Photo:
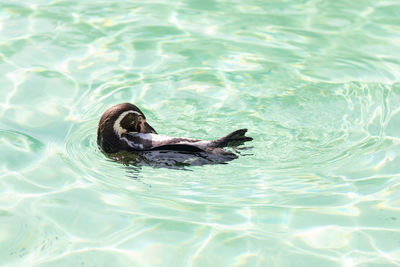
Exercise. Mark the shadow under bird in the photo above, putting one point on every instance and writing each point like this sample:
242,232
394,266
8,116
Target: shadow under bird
124,134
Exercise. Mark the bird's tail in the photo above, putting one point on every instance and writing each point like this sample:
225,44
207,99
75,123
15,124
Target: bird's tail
234,139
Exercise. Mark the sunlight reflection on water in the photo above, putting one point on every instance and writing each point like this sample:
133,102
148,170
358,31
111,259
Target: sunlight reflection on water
316,83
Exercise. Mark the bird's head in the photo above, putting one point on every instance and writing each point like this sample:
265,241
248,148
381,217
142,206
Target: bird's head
117,121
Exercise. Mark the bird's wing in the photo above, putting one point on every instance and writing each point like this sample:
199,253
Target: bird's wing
234,139
149,141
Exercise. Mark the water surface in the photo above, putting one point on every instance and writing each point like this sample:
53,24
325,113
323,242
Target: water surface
315,82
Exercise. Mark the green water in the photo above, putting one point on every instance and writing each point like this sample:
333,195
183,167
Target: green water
315,82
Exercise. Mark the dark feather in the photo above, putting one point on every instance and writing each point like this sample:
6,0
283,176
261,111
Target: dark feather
234,139
179,147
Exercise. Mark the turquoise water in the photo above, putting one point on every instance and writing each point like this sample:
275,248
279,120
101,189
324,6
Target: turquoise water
315,82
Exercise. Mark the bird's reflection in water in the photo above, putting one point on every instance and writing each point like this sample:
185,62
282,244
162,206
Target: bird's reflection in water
178,160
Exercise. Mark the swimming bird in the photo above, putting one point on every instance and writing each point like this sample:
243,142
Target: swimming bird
123,127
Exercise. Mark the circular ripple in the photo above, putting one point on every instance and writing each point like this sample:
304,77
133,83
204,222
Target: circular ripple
334,123
86,158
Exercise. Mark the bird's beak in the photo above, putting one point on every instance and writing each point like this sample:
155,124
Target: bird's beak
146,128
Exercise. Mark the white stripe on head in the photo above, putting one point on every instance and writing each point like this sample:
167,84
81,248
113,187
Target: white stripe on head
117,124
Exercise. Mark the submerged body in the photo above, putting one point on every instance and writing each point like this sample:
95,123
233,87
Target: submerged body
123,128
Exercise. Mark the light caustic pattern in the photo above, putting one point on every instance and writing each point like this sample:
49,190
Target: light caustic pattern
315,82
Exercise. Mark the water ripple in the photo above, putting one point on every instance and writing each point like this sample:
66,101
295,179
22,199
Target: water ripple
315,82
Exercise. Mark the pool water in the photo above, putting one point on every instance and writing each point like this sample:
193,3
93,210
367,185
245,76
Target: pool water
315,82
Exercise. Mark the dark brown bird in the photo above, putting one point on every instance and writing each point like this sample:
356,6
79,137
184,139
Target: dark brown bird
123,127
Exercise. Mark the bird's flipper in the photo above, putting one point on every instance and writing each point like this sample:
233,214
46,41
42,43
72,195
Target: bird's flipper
143,142
235,138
